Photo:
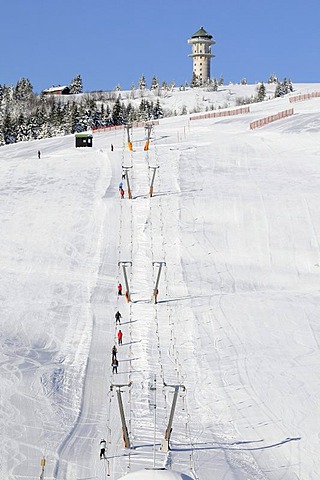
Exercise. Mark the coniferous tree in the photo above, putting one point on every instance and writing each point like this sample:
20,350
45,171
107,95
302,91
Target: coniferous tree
149,110
142,83
273,78
215,85
96,119
23,90
142,109
132,93
22,128
184,110
76,85
106,116
278,91
117,113
287,85
157,111
154,83
76,126
261,92
67,118
283,88
130,114
2,142
9,128
195,82
37,121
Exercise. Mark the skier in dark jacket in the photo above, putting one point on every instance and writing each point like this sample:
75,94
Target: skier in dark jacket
103,445
114,352
114,365
118,317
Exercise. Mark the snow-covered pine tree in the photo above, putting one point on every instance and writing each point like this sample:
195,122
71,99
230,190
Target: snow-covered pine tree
273,78
132,92
23,90
117,113
76,85
287,85
142,110
142,83
184,110
2,142
130,113
195,82
261,92
8,128
22,128
213,85
154,83
57,120
157,110
283,88
37,123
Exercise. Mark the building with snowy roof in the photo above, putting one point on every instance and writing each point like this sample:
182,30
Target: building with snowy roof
58,90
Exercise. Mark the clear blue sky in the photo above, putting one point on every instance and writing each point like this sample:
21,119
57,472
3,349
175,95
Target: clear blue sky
110,42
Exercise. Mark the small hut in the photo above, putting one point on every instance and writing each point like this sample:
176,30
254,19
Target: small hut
58,90
83,139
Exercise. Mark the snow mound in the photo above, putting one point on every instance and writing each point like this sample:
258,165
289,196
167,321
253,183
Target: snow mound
156,474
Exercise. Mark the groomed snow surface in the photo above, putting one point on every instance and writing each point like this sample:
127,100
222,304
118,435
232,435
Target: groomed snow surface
236,217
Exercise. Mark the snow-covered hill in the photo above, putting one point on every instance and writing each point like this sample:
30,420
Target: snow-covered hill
193,100
235,217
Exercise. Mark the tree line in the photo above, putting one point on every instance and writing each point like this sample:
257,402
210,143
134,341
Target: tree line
27,116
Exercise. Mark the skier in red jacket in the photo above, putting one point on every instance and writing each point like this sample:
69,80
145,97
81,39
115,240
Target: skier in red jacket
120,335
119,289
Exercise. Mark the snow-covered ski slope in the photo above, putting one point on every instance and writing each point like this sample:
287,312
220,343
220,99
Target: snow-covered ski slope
236,217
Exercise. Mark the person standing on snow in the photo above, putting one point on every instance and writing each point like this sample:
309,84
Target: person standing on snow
39,154
120,186
118,317
122,193
120,335
119,289
114,365
103,445
114,352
